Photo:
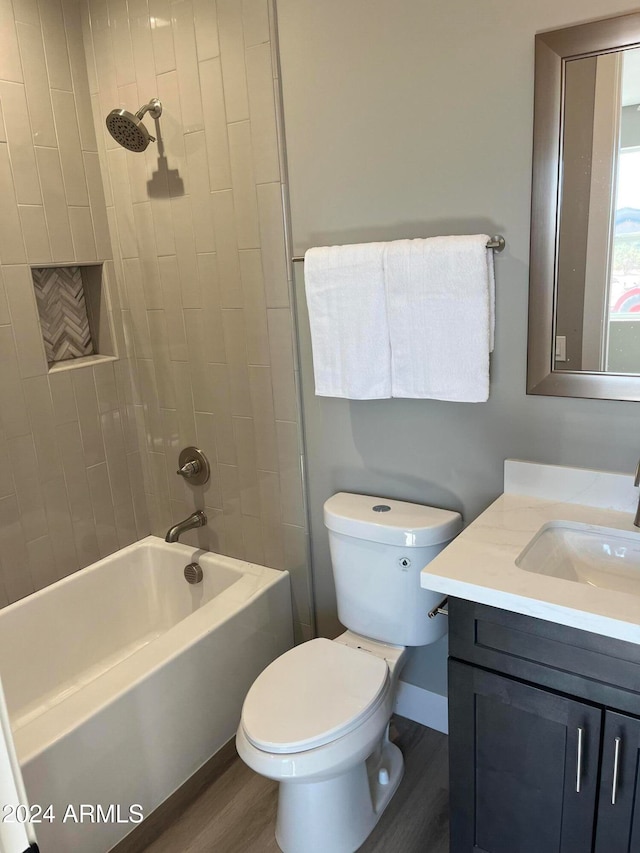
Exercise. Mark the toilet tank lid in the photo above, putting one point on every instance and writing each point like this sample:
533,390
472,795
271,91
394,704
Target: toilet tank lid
391,522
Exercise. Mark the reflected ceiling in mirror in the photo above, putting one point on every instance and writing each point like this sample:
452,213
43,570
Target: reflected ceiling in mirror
584,311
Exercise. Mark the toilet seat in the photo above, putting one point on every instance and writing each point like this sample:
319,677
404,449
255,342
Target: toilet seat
312,695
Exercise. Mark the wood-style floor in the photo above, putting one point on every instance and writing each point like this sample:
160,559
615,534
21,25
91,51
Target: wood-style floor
236,813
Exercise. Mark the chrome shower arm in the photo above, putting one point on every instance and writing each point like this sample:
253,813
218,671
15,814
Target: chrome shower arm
154,108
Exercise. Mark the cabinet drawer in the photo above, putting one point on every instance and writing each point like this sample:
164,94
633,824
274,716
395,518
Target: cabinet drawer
587,665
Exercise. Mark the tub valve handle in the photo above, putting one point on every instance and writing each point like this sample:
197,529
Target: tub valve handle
193,465
189,469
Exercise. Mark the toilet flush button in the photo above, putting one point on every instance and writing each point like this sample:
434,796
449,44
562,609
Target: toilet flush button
383,776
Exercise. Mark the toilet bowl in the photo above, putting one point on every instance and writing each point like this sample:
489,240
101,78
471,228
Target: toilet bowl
317,719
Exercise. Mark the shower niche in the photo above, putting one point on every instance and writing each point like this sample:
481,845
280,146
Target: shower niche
75,317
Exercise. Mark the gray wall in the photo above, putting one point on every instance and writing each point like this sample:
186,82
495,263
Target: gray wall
408,119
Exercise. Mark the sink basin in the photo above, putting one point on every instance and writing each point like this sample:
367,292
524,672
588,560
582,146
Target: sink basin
598,556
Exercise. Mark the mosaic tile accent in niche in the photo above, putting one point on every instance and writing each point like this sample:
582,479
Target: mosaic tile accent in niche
63,313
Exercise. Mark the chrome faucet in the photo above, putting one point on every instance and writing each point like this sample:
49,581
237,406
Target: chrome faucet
636,482
197,519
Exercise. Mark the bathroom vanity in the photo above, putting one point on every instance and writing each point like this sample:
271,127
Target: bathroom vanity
544,666
544,735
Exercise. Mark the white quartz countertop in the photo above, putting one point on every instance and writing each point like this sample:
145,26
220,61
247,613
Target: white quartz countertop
479,565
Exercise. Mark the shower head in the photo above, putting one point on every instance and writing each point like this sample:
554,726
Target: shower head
127,128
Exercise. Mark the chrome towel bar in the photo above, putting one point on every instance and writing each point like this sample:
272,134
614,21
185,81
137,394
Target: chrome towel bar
496,243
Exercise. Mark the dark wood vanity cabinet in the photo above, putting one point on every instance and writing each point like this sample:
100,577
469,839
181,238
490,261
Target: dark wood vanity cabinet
544,753
618,823
516,756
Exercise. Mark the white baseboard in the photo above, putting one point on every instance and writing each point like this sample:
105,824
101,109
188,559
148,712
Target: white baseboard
422,706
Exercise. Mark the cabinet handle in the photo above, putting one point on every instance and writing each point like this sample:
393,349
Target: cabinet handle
616,769
579,760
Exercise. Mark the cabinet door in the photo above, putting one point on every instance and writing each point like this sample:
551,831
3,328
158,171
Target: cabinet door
524,766
618,827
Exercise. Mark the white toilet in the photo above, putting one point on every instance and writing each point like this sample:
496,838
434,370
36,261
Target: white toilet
317,718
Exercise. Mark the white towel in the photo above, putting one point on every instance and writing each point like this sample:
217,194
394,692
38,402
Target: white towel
348,319
440,298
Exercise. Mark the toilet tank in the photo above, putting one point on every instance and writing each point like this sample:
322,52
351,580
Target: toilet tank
378,548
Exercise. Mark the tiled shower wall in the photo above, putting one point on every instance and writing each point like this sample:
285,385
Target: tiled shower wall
70,488
197,228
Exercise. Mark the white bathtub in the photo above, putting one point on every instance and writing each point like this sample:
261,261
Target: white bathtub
123,679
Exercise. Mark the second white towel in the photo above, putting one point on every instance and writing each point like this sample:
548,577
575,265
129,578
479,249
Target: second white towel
440,296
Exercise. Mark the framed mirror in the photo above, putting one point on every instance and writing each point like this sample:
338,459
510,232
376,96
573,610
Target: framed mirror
584,292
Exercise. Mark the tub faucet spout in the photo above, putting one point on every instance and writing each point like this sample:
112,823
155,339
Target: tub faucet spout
197,519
